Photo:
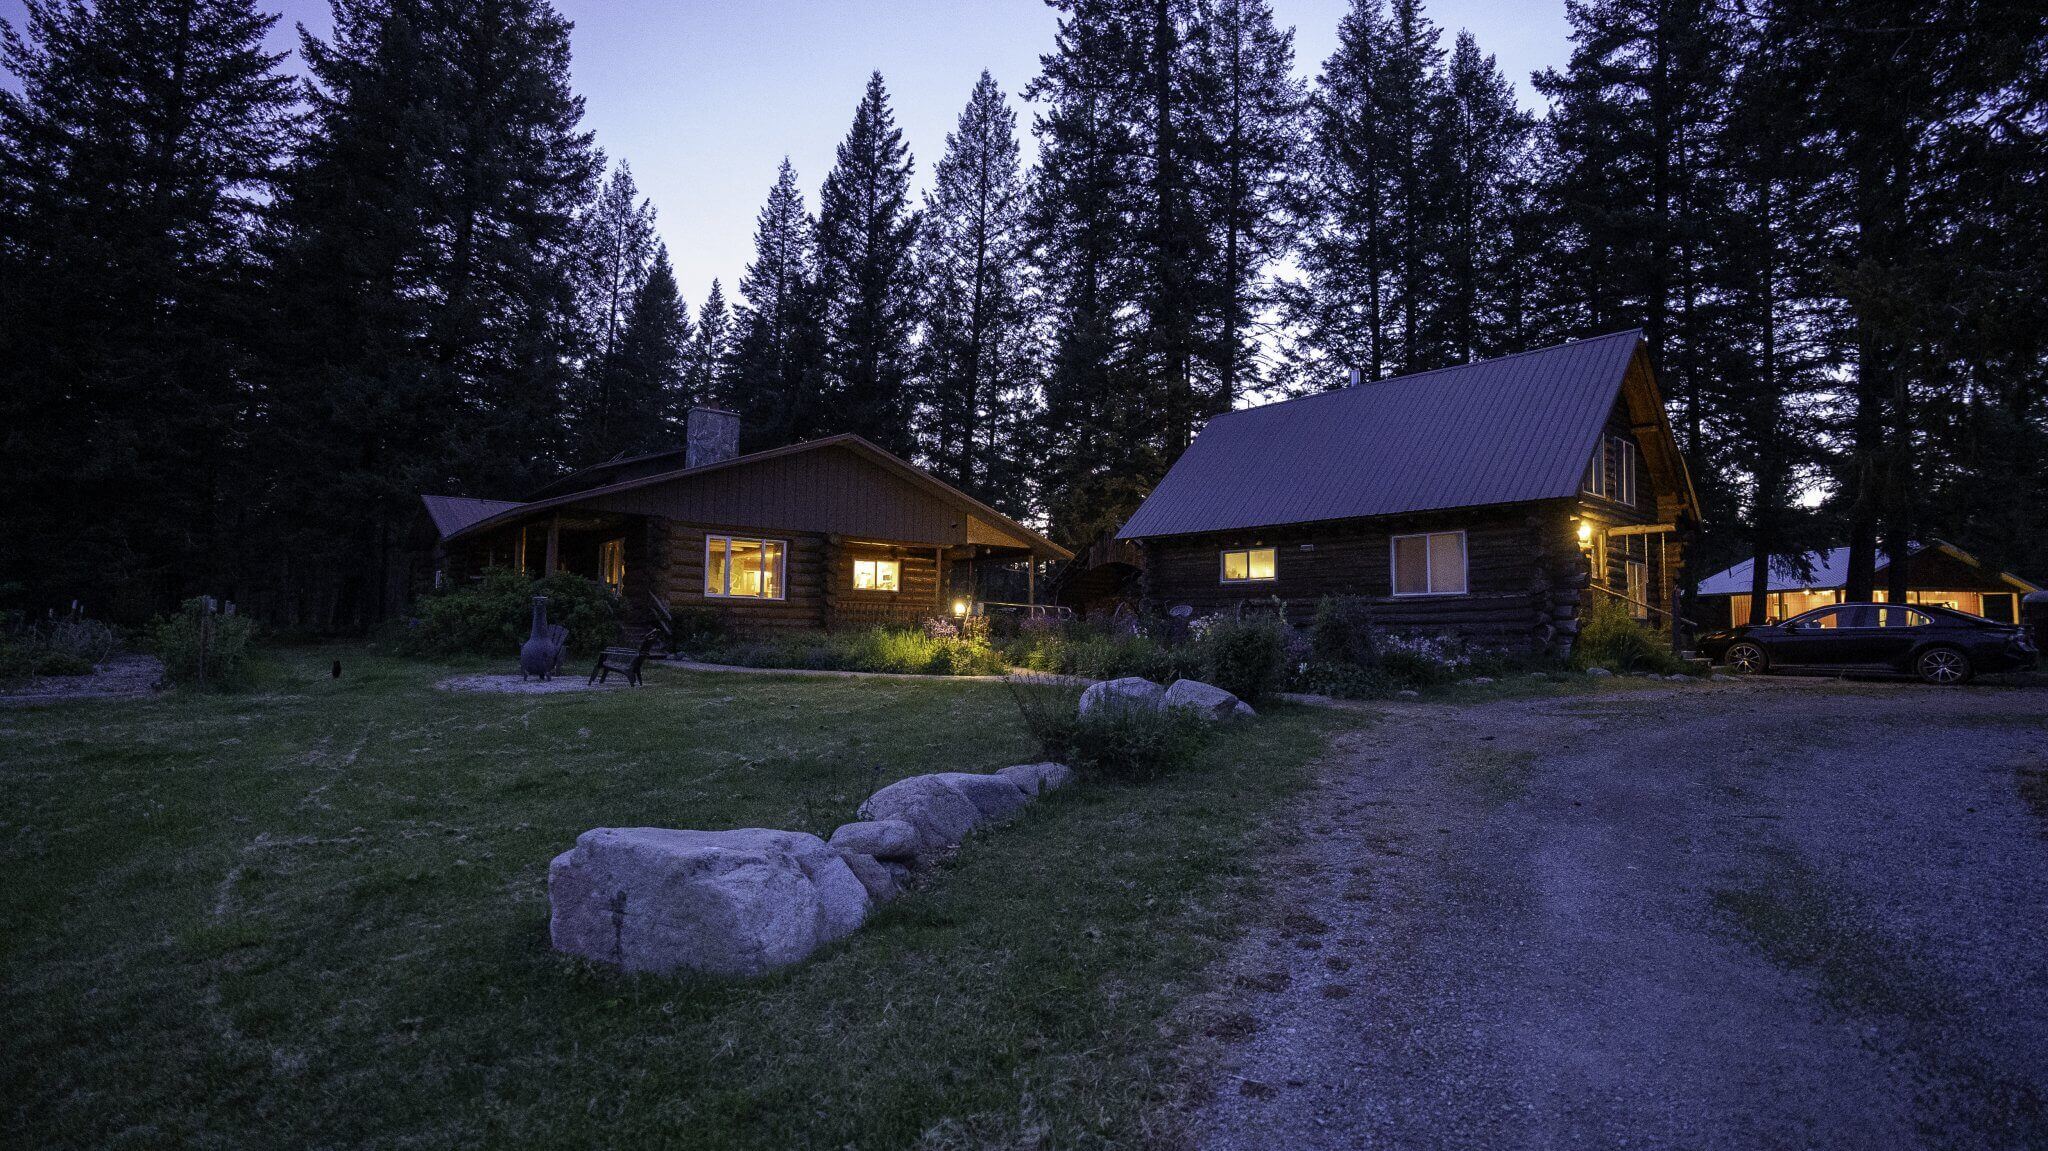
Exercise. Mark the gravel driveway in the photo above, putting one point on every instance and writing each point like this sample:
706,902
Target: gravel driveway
1758,915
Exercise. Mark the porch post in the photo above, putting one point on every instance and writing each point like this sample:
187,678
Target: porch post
554,543
939,581
1031,580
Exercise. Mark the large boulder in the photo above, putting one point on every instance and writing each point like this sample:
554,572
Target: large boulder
1206,700
881,838
1038,778
996,797
941,815
718,902
1130,692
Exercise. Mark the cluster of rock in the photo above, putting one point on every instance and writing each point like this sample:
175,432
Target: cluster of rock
1133,693
748,901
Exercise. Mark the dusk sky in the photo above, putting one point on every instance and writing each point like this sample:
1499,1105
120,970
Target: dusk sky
704,99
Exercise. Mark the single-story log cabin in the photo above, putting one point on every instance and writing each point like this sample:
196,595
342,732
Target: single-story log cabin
1937,572
821,534
1482,500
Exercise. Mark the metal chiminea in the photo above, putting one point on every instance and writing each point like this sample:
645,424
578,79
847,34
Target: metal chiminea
541,654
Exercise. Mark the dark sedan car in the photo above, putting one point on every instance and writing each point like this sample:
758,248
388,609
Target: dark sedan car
1937,644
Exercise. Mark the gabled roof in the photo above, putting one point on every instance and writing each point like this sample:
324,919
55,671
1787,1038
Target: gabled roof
1829,570
848,441
1506,430
452,514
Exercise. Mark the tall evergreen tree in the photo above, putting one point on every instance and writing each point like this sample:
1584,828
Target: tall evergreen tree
133,159
866,282
646,384
776,379
1478,152
616,248
1248,109
1097,434
425,306
976,359
710,349
1362,209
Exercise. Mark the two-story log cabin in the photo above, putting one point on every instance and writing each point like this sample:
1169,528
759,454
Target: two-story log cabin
1489,499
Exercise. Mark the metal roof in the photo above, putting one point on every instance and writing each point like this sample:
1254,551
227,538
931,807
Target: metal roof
847,440
451,514
1829,570
1506,430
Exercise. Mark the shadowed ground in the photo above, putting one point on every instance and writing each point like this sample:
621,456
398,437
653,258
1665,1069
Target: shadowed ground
1780,914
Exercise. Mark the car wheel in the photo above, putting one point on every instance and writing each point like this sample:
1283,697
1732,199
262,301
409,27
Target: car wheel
1943,666
1747,657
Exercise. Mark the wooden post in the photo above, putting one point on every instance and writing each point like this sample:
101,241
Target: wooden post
554,543
939,588
1031,581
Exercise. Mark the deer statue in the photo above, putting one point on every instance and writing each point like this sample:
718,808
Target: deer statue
541,654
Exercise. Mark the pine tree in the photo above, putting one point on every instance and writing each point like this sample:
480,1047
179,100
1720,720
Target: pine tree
1478,151
646,384
424,295
710,349
616,247
865,279
976,359
1248,119
134,159
1097,433
776,379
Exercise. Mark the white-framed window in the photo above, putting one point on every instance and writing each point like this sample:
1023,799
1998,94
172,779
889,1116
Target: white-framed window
878,575
1429,563
1246,565
611,562
1611,473
740,568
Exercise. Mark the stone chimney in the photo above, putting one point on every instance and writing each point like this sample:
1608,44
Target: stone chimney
710,436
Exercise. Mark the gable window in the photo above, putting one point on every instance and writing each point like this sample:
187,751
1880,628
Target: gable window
1245,565
1611,473
1432,563
611,562
877,575
739,568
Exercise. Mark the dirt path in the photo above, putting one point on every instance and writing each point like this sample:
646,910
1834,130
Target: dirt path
1740,916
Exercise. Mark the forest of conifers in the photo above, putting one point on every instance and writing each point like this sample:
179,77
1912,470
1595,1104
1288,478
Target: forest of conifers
251,306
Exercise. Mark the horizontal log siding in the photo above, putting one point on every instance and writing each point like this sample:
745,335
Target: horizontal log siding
916,602
1510,556
804,570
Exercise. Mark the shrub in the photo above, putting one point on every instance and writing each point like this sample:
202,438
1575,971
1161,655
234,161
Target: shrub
1096,654
698,629
1124,745
1243,656
69,646
225,659
872,649
1343,633
493,615
1611,638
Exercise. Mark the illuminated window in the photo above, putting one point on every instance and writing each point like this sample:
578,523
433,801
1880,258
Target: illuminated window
877,575
743,568
1430,564
611,562
1247,564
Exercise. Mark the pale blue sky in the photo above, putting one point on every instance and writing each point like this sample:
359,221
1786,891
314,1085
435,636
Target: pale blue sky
704,98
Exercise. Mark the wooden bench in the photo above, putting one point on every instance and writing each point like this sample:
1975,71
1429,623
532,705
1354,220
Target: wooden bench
624,661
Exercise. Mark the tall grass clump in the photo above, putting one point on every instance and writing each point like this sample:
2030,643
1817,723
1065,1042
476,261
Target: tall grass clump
1610,637
201,645
1245,656
1112,744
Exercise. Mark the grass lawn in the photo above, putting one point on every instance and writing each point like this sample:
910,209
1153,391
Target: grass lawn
315,915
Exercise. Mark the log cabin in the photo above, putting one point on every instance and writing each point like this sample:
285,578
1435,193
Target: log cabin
1490,500
822,534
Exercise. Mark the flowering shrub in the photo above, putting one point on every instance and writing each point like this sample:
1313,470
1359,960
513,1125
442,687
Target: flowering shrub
938,627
